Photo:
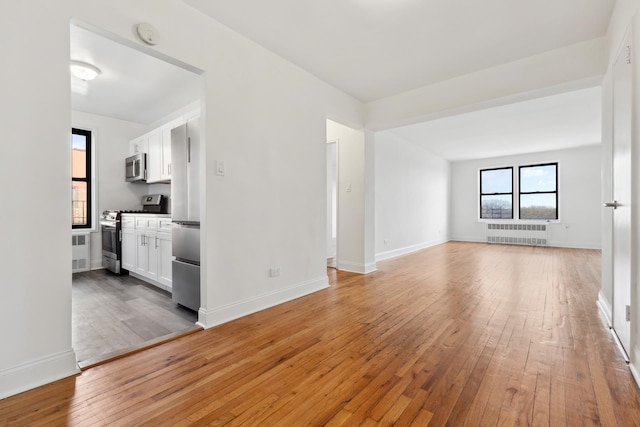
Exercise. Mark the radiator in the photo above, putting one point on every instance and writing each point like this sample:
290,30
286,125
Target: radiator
80,254
517,234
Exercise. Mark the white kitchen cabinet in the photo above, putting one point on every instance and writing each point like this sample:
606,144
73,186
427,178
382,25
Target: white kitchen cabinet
128,243
157,145
165,258
165,144
154,157
148,242
139,145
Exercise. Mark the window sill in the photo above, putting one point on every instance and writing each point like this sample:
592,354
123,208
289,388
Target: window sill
520,221
79,231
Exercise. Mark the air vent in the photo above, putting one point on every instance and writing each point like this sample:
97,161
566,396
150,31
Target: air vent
80,253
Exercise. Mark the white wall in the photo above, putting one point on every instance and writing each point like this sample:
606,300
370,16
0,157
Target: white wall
263,116
412,197
579,193
112,138
351,189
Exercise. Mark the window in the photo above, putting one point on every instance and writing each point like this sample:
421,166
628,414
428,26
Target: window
81,178
539,191
496,193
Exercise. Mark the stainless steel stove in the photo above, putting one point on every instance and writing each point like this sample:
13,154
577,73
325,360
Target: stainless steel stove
111,224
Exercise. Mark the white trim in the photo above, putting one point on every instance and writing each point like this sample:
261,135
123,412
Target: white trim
407,250
632,367
616,339
550,243
605,308
38,372
226,313
573,245
635,373
356,267
96,264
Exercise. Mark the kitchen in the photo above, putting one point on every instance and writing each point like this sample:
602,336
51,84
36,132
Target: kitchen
134,108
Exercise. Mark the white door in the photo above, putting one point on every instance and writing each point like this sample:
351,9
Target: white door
622,193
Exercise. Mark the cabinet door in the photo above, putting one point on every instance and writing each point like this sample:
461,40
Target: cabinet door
139,145
142,253
129,249
154,157
152,253
164,259
166,152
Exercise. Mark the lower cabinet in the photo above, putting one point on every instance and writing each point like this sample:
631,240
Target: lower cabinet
146,249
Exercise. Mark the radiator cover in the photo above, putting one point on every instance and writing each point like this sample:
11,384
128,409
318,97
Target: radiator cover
517,234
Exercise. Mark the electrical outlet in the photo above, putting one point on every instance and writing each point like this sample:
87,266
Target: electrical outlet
274,271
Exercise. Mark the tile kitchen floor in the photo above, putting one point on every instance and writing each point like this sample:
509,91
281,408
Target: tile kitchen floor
112,313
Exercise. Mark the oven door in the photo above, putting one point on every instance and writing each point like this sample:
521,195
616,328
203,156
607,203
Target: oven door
111,247
109,240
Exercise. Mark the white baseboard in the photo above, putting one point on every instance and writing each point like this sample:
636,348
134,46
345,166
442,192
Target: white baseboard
551,243
605,308
355,267
407,250
219,315
632,365
38,372
572,245
469,239
96,264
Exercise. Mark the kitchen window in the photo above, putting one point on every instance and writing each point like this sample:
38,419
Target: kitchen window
81,178
496,193
539,191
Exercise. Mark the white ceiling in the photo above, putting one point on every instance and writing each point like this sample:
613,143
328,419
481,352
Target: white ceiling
132,85
568,120
376,48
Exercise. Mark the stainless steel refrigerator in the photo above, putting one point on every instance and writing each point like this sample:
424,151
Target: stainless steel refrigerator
185,214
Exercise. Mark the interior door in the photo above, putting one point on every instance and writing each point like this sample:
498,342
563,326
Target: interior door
622,91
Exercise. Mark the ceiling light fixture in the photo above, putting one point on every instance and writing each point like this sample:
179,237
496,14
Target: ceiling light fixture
84,71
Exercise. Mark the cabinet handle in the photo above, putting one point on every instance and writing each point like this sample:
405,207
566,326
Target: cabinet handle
156,242
189,149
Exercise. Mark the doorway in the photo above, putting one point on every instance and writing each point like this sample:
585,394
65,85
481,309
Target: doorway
332,203
622,106
135,99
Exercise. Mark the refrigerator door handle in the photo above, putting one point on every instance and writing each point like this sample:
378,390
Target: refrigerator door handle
188,149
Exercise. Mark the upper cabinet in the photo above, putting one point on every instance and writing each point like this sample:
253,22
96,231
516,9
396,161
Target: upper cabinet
157,145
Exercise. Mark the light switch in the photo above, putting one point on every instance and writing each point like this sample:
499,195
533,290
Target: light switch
219,167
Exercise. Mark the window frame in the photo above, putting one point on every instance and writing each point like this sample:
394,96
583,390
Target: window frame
521,193
496,194
88,134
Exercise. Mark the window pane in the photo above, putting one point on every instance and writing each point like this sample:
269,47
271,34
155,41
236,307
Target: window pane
538,178
496,181
79,203
79,156
538,206
496,207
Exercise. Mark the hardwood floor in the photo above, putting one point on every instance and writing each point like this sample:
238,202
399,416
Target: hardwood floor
458,334
114,313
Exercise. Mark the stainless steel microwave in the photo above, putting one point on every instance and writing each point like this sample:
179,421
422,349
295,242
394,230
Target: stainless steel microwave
136,167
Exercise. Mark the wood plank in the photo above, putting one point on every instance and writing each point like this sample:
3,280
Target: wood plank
458,334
